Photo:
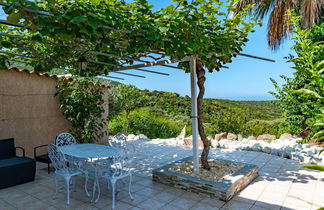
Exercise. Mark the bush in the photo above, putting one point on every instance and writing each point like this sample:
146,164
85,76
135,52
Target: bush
147,122
258,127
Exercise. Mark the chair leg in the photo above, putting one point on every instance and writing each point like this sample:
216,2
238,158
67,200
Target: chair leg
67,191
129,187
94,190
86,184
55,180
98,185
48,168
113,182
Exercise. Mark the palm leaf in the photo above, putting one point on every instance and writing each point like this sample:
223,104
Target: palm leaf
313,167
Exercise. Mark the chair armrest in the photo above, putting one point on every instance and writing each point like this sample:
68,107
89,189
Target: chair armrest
35,148
22,149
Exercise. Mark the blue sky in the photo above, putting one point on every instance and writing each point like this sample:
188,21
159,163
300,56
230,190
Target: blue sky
246,78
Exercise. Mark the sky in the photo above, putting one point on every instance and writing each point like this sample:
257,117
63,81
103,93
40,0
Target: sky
245,79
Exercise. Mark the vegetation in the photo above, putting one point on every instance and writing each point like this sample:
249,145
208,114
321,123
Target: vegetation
280,16
240,117
82,105
301,97
126,98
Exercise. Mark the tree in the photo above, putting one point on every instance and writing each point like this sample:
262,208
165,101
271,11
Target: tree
278,24
127,98
128,30
82,105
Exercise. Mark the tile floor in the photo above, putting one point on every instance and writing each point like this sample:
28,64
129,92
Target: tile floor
281,185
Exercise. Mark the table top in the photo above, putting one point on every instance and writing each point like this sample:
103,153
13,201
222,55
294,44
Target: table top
86,151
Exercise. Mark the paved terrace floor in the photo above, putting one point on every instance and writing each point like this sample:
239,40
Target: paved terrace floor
281,185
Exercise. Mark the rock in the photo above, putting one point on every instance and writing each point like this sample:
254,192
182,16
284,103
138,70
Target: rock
274,151
266,149
239,137
142,136
305,146
182,134
188,142
231,136
223,143
251,138
285,136
266,137
214,143
131,137
257,147
220,136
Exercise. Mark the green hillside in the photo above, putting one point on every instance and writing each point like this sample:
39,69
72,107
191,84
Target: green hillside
164,114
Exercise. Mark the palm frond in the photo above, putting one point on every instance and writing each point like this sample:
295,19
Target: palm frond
277,25
311,12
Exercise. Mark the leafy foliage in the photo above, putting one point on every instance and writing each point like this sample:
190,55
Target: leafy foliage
302,96
148,122
126,98
82,105
200,28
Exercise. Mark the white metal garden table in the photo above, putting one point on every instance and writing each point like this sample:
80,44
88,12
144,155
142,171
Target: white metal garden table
89,153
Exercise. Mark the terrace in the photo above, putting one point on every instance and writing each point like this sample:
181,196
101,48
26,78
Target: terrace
281,185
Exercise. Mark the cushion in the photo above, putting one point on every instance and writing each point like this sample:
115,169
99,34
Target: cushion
16,170
7,162
7,148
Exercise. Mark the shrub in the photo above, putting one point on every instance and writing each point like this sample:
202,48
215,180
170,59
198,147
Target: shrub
258,127
147,122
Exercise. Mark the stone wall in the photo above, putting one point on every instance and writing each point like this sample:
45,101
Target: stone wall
29,111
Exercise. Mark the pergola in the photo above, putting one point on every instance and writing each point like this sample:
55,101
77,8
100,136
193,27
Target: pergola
142,62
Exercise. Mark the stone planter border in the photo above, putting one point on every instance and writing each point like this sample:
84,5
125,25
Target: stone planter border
223,189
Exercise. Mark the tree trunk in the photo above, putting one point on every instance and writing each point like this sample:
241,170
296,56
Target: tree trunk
127,120
201,84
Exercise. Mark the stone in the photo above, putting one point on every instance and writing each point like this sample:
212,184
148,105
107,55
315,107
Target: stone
223,143
131,137
182,134
142,136
274,151
305,146
188,142
266,137
266,149
285,136
239,137
251,138
257,147
231,136
214,143
220,136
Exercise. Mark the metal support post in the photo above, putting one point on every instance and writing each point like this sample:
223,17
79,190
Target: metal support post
194,119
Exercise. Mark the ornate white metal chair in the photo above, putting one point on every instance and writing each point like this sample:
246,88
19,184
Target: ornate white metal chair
119,140
114,169
64,139
62,169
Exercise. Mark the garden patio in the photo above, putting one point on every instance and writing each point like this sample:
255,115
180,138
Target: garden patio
281,185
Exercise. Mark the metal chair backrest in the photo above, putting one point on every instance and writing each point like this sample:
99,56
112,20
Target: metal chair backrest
57,157
119,140
64,139
121,164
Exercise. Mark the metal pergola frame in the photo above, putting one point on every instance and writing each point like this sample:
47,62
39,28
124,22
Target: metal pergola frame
139,67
